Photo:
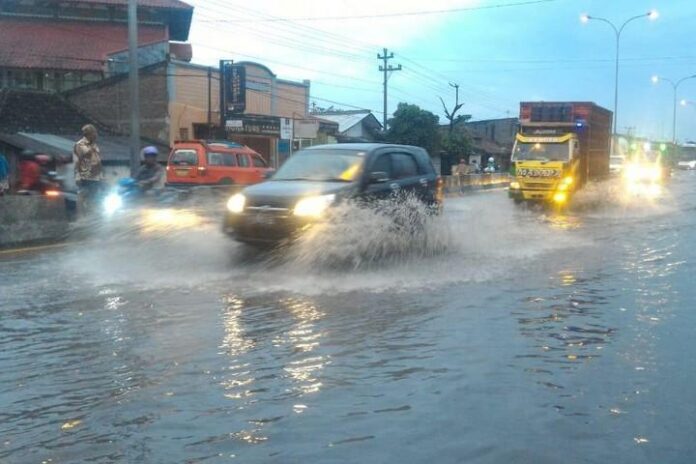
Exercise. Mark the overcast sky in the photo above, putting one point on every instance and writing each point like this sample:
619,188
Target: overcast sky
498,55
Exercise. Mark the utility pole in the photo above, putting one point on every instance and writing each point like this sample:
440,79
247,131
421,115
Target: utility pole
210,102
386,69
134,85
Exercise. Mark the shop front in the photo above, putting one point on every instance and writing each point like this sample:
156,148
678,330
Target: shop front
260,133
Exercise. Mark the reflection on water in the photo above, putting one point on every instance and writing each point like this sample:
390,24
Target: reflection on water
567,327
303,338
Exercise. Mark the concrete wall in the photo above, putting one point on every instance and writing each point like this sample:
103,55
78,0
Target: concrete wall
27,219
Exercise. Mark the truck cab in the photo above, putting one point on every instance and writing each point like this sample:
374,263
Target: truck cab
558,148
545,167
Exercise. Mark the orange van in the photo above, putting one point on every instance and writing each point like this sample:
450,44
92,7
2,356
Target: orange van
198,162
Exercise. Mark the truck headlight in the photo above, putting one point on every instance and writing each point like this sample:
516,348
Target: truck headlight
236,203
313,206
514,185
560,197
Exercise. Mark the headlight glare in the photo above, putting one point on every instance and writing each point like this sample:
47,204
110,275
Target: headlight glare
236,203
514,185
313,206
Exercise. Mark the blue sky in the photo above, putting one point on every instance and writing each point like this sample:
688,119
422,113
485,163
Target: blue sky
498,56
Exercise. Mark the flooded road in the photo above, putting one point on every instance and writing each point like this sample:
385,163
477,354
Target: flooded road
511,336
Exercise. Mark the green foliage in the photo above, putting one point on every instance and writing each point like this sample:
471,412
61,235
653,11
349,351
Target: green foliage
457,145
412,125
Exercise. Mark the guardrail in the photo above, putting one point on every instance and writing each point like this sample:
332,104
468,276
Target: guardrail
457,184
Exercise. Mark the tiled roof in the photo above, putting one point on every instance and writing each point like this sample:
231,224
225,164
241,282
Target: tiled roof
75,46
34,111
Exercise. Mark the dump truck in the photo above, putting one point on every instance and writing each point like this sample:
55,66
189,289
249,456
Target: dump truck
559,147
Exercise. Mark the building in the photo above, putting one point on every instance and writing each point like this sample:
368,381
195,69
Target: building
58,46
44,122
492,138
354,125
183,102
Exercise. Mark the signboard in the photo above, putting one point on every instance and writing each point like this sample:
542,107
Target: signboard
306,129
253,125
286,128
233,88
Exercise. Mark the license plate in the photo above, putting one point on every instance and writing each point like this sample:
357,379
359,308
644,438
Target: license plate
264,220
182,172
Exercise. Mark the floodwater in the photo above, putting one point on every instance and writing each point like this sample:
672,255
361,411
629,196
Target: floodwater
506,335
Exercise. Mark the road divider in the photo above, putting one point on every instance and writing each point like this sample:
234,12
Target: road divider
460,184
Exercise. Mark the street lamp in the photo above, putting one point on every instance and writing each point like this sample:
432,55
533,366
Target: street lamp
585,18
675,87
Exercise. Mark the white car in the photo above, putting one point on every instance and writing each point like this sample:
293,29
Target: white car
687,165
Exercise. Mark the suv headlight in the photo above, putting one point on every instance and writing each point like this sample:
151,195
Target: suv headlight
236,203
313,206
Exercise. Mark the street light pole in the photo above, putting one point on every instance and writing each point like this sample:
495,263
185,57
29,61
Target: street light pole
675,88
618,30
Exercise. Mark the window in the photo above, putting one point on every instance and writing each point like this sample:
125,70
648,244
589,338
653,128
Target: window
185,158
404,166
243,161
382,164
258,161
229,160
183,133
215,159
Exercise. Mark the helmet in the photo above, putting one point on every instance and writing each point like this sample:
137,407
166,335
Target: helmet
491,160
150,151
42,159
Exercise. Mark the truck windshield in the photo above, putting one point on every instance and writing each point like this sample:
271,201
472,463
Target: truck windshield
541,151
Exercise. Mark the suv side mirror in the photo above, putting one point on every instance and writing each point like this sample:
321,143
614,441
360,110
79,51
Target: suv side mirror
378,177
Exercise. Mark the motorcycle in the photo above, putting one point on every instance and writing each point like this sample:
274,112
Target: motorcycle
128,193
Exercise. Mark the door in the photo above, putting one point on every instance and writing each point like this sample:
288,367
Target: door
183,165
406,174
259,168
245,172
222,168
380,183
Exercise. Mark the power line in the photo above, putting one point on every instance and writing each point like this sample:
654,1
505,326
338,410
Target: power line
394,15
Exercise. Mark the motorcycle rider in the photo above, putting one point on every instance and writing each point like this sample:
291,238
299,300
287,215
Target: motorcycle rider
151,173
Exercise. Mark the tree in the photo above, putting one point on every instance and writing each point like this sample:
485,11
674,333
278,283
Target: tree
412,125
457,145
452,115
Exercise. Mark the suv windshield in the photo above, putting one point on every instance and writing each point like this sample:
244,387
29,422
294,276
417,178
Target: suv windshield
541,151
322,165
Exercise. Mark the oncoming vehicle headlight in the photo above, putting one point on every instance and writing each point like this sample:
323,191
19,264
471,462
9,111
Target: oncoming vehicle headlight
112,203
236,203
514,185
560,197
313,206
567,181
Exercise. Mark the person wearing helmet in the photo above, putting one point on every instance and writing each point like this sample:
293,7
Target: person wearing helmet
151,173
